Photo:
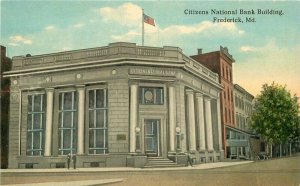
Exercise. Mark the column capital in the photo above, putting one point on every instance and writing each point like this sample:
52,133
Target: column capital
198,94
207,98
80,87
171,84
49,89
189,91
133,83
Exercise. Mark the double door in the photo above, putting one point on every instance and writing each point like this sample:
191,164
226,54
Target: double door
152,137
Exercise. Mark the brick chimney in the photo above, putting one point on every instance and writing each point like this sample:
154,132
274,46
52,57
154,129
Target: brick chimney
3,51
199,51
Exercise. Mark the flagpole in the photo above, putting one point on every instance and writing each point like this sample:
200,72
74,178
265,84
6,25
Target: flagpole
142,27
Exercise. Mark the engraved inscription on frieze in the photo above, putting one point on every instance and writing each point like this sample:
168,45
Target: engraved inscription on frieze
152,71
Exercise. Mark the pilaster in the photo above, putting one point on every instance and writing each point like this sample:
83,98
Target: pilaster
80,111
172,118
49,121
133,115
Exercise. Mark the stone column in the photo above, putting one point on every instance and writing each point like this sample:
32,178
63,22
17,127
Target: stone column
181,116
133,116
201,127
209,137
80,112
172,117
191,119
219,124
49,117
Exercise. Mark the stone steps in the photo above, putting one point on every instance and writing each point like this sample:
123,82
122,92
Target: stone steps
159,162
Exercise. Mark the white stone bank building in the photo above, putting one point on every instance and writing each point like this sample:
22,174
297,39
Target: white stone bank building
113,106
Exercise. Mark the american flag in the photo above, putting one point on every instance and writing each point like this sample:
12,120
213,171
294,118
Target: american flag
149,20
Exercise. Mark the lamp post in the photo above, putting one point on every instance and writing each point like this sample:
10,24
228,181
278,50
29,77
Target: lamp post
137,142
178,130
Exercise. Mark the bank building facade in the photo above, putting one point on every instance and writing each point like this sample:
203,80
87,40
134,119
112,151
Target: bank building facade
113,106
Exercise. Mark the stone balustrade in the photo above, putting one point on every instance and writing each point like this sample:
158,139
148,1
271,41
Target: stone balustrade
196,66
113,50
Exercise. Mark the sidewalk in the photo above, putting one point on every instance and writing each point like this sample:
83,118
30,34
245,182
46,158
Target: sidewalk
73,183
109,169
124,169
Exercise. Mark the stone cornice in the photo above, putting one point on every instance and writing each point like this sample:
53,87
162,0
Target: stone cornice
111,55
112,51
93,64
224,50
241,90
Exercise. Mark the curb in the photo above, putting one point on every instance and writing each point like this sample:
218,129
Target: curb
124,169
73,183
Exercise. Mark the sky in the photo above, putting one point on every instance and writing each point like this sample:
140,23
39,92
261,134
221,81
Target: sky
265,51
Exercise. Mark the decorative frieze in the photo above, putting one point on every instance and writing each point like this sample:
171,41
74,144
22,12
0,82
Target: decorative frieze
15,82
15,97
114,72
48,79
78,76
213,92
152,71
33,61
205,88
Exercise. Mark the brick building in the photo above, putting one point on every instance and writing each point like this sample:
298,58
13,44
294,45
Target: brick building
117,105
239,137
5,89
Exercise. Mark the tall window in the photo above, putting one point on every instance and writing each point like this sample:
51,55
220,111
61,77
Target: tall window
229,74
228,94
98,133
237,120
225,114
151,95
35,125
67,122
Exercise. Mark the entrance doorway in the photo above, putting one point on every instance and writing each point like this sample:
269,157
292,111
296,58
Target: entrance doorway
152,133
